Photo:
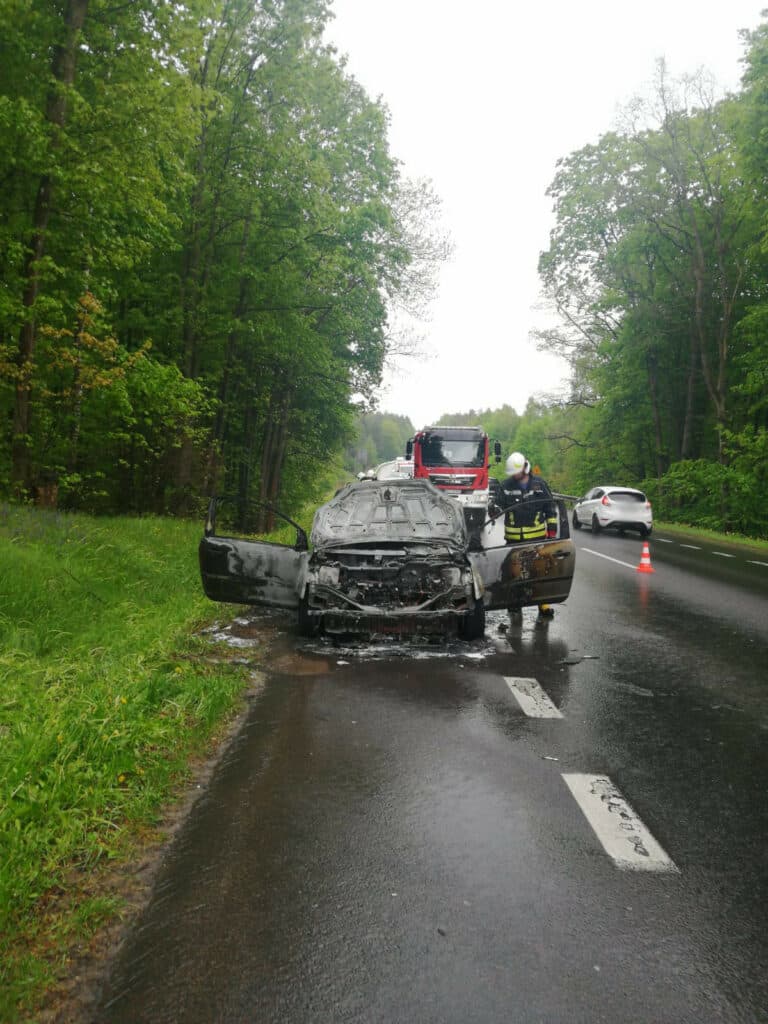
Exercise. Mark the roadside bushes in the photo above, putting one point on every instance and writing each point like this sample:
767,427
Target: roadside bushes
713,496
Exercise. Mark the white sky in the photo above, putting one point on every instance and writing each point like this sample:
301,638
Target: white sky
484,98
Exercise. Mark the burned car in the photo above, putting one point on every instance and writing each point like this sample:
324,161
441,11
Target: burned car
388,557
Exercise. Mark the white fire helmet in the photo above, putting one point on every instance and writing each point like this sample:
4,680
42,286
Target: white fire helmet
517,463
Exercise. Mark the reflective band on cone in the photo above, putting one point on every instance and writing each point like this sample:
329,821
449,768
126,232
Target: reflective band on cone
645,560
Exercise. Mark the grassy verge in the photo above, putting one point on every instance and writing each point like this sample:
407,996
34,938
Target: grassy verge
731,539
102,703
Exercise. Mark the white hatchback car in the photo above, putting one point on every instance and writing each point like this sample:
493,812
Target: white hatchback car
614,508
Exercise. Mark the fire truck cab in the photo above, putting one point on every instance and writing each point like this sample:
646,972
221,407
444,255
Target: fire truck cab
456,461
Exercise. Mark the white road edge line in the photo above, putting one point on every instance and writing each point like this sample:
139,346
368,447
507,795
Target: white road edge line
531,698
693,547
723,554
752,562
663,540
601,555
625,838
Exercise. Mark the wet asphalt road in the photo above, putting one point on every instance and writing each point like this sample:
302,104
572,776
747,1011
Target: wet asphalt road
390,837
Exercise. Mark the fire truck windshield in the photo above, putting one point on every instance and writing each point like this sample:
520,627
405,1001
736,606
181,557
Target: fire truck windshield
438,451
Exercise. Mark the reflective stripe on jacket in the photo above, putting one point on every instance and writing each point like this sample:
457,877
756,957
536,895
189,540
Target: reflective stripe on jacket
533,531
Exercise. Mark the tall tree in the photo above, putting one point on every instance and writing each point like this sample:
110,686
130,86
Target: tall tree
77,125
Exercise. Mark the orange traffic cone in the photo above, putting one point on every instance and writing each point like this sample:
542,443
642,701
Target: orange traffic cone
645,560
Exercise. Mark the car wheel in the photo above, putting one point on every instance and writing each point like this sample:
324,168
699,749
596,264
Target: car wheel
644,531
472,626
596,527
576,521
622,533
306,623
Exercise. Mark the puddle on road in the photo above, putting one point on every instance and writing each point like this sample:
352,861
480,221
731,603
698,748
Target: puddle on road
253,635
300,663
499,638
347,650
265,630
224,636
247,629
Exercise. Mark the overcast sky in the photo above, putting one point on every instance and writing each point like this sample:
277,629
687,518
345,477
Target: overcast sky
484,98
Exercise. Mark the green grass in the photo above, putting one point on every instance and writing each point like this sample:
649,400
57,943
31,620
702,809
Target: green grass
733,539
102,702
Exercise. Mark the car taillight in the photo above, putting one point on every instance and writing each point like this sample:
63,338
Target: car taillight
647,504
605,500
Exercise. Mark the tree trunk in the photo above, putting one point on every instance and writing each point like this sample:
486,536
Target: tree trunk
657,426
63,71
273,456
282,444
266,519
237,313
245,467
685,444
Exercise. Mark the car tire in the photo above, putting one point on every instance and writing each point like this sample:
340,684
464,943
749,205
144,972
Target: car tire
576,521
472,626
305,622
596,527
644,531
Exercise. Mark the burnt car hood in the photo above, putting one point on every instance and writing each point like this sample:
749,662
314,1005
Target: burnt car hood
391,511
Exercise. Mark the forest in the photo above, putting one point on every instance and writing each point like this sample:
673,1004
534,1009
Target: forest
658,270
205,237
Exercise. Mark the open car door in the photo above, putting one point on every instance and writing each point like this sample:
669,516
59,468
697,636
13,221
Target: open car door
252,572
516,575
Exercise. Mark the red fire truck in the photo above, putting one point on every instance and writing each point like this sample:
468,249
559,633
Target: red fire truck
456,460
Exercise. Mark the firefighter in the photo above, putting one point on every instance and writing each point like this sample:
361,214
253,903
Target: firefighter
531,512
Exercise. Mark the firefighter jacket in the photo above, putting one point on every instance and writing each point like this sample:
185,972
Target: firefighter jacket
531,512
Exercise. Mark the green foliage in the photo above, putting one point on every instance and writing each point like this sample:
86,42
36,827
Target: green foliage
380,437
657,264
716,496
500,424
690,492
219,184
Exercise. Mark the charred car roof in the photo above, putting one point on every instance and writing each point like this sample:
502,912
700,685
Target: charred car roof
389,510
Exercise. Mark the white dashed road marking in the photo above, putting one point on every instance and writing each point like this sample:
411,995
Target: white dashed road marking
531,698
623,835
601,555
664,540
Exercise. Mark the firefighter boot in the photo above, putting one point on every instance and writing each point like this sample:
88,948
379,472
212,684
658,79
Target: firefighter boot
546,611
